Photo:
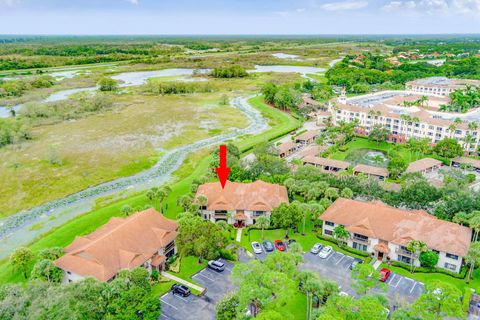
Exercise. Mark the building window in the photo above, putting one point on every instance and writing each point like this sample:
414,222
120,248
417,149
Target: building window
452,256
404,259
359,246
450,266
329,223
68,272
258,213
328,232
436,251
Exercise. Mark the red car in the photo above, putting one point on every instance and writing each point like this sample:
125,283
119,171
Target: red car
279,245
384,274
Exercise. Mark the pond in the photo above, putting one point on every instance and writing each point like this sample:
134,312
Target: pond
369,157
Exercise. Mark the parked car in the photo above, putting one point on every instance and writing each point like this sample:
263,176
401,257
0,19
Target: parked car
384,274
279,245
216,265
316,248
354,263
268,245
180,289
387,312
257,248
325,252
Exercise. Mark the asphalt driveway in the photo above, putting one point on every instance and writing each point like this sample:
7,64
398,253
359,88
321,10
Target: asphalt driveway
336,267
217,284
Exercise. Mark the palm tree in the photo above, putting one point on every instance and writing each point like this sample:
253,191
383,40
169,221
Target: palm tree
341,234
167,190
262,222
462,218
202,201
331,193
473,125
152,195
469,140
474,223
415,247
422,101
472,258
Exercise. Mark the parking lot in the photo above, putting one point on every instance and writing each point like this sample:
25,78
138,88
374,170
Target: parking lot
217,284
336,267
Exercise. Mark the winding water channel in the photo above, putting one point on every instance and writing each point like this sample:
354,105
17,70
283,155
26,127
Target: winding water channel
17,230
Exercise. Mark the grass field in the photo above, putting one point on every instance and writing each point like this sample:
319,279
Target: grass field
364,143
195,166
106,146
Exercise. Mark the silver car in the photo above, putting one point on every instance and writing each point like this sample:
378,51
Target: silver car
316,248
257,248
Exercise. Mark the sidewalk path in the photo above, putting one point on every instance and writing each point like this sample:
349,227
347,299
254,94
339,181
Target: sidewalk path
377,264
184,282
239,235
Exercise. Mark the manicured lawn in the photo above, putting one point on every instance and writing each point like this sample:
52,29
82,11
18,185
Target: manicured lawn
364,143
296,306
280,122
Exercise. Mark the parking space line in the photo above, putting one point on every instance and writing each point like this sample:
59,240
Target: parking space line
204,276
168,304
391,279
414,285
181,298
340,260
398,282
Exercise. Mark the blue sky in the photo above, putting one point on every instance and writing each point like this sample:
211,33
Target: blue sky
239,16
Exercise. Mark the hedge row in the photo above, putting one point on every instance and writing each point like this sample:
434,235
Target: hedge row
461,275
345,248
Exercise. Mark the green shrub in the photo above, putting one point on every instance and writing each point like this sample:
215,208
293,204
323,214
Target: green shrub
154,275
461,275
228,254
343,148
466,299
345,248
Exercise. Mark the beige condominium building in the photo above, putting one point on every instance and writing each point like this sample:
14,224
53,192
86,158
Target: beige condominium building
240,204
439,85
145,239
407,114
385,232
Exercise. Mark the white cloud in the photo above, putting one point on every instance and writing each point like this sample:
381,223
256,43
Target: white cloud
133,1
344,5
9,3
434,6
288,13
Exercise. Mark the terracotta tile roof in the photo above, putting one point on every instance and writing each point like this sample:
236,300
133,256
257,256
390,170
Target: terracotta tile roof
312,150
326,162
158,260
122,243
423,164
286,147
308,135
377,220
377,171
256,196
464,160
382,247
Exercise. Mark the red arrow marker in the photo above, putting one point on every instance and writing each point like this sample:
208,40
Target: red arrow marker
223,171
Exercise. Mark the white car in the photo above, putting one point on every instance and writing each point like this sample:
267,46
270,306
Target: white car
325,252
257,248
316,248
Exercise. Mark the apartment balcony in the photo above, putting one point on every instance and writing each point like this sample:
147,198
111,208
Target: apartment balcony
405,253
361,240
